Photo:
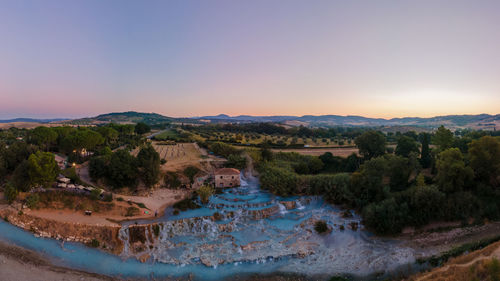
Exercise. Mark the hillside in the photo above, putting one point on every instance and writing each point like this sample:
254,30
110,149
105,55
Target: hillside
481,121
32,120
129,117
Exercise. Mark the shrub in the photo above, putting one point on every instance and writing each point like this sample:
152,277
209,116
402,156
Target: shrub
94,243
171,180
32,201
205,192
10,193
120,199
95,194
321,226
132,211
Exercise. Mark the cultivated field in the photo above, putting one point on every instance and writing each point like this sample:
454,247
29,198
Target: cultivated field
337,151
179,155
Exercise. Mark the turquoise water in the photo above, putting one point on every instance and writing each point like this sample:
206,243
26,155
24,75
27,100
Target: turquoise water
281,241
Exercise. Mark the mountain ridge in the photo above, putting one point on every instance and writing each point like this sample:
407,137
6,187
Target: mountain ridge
476,121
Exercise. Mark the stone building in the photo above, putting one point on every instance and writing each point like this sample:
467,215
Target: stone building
227,177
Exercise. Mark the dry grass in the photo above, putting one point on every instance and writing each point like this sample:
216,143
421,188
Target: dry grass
478,265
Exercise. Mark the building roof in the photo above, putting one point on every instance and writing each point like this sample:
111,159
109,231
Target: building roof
227,171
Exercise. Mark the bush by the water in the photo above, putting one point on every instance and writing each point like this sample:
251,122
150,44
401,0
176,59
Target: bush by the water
321,226
186,204
205,192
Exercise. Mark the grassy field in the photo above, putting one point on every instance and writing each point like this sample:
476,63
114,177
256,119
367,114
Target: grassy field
169,134
336,151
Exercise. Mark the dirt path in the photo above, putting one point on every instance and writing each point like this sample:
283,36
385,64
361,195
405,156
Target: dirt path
494,254
82,171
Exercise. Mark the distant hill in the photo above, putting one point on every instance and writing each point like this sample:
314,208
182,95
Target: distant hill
480,121
129,117
32,120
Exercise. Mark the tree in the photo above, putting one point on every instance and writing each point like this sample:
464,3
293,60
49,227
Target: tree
205,192
122,170
367,183
149,164
425,156
352,163
21,178
406,145
484,155
10,192
443,138
278,180
386,217
452,174
371,144
399,170
44,137
236,161
98,167
425,204
109,134
142,128
43,168
267,154
420,180
191,172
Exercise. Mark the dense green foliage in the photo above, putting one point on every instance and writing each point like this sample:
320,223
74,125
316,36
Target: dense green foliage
390,191
43,168
149,165
191,172
118,170
142,128
371,144
406,145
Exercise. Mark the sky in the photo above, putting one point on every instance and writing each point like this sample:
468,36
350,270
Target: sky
258,57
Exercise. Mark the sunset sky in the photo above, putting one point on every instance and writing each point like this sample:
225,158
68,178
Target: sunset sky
258,57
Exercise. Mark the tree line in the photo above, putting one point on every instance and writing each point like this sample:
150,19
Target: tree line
458,178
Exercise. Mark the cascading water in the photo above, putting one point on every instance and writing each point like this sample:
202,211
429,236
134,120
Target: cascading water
282,207
246,225
239,231
299,205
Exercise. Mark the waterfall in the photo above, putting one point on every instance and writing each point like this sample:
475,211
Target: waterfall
282,208
124,236
299,205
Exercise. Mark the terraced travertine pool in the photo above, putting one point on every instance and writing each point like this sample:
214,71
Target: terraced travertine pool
255,232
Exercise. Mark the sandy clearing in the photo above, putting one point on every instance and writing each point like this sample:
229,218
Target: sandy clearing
157,200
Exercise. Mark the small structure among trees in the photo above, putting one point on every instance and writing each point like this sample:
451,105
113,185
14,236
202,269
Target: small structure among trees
227,177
